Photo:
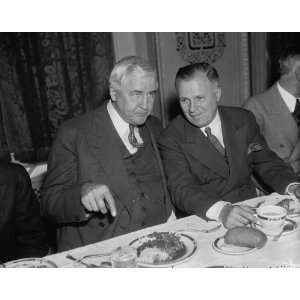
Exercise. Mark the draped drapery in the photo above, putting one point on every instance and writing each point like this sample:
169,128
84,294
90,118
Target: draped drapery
46,78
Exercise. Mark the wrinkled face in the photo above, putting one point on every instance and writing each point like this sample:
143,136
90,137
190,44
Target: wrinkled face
198,99
134,99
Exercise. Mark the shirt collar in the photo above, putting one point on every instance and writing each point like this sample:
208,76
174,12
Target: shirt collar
287,97
120,125
215,124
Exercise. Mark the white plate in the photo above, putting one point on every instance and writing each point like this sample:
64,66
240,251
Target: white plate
273,199
287,221
30,263
220,246
189,243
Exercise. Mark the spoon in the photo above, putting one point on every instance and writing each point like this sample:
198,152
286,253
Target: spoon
286,227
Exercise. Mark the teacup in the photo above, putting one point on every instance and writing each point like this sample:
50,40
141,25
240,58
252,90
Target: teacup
271,217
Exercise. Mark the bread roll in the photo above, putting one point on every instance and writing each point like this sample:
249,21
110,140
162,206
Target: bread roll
245,237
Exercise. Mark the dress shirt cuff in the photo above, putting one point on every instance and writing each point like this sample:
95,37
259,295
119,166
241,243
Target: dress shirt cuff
213,212
289,189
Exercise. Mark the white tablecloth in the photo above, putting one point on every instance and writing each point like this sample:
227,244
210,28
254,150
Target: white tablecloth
282,253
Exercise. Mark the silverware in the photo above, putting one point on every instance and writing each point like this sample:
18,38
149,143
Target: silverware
199,230
277,237
69,256
256,224
287,227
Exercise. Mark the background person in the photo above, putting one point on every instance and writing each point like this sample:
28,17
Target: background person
277,110
21,228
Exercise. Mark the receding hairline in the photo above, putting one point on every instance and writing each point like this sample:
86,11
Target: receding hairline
128,66
196,76
190,72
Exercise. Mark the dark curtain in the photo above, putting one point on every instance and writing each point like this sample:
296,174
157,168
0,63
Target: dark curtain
46,78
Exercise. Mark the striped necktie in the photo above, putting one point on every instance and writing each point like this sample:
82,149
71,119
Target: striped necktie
214,140
296,113
132,139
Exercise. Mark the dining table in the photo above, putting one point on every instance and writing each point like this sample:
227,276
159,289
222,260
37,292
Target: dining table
283,252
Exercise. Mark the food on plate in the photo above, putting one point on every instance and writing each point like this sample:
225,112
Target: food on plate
245,237
160,247
286,203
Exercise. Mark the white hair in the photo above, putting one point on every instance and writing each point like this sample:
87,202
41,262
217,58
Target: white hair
126,66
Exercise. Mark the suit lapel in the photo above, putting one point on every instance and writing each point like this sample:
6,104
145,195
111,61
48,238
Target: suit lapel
105,147
233,137
199,146
279,114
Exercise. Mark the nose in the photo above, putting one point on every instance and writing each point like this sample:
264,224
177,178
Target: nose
192,107
145,101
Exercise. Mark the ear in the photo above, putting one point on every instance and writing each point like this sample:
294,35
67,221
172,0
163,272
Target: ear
297,72
218,93
113,94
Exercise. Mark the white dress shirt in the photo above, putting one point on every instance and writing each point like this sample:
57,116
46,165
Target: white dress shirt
290,101
122,128
288,98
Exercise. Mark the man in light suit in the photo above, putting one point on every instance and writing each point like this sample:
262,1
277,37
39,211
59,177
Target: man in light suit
210,153
275,110
105,176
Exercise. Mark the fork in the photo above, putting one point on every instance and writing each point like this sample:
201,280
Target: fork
79,261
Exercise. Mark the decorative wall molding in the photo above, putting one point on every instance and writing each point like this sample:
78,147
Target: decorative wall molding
200,46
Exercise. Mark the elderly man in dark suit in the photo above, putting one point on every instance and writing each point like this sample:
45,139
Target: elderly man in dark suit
277,110
105,176
210,153
21,228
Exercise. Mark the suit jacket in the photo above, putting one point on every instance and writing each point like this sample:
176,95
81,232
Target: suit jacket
198,175
87,149
21,228
277,125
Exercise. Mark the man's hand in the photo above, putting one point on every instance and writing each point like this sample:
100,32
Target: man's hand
236,215
97,197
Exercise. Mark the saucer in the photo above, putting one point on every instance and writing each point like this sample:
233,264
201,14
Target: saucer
220,246
294,227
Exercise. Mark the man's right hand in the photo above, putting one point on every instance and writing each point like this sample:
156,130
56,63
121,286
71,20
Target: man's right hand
236,215
98,198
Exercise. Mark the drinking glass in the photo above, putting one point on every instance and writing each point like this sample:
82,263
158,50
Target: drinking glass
124,257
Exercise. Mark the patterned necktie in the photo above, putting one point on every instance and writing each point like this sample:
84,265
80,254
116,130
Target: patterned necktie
132,139
296,113
214,140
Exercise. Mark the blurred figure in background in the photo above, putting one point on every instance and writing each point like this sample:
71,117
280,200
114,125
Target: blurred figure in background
277,110
21,228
